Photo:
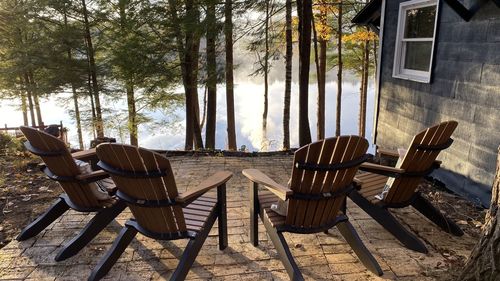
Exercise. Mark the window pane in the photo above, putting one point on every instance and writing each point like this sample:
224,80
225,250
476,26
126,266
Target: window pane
418,55
420,22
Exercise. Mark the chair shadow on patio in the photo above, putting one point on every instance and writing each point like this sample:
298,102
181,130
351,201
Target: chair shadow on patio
318,255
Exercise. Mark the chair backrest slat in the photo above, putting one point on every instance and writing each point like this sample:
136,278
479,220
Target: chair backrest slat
356,147
336,147
304,186
312,213
419,160
131,159
296,178
61,165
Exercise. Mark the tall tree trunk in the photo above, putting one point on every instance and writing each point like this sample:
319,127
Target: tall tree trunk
204,113
198,141
24,108
188,50
211,76
93,72
322,87
26,81
129,83
364,89
320,113
182,50
322,65
304,9
24,105
32,109
77,117
288,76
339,71
75,95
38,109
34,93
361,97
266,71
190,110
484,261
30,99
228,34
132,114
92,105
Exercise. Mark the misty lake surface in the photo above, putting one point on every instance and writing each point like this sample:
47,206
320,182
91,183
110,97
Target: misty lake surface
166,128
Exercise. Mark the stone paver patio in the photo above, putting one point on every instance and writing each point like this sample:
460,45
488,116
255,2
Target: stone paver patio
319,256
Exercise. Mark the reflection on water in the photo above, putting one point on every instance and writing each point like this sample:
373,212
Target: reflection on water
249,102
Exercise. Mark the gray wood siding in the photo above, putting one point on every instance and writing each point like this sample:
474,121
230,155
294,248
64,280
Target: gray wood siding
465,87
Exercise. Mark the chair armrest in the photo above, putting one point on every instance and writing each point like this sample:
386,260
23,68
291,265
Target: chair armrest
257,176
357,182
215,180
381,169
85,155
92,177
388,152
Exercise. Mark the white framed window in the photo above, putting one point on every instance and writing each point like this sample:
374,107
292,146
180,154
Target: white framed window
417,21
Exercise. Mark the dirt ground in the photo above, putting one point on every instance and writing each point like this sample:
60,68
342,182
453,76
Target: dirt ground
25,193
469,217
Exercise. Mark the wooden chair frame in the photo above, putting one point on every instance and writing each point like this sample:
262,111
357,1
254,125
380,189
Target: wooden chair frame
196,238
380,209
282,192
102,218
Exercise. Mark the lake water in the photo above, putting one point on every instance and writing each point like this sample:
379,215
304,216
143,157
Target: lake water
166,131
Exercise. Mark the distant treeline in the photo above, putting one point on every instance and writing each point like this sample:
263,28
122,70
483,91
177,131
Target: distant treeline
144,49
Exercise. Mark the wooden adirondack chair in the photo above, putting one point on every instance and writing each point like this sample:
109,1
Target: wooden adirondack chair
321,178
59,165
419,161
146,183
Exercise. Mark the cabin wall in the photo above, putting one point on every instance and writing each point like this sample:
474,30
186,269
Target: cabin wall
465,87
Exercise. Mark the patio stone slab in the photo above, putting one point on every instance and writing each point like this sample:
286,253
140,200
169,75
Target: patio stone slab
320,256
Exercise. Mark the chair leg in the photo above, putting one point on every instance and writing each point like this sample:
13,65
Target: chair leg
283,250
96,225
34,228
119,245
254,214
432,213
385,218
222,216
352,238
190,253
